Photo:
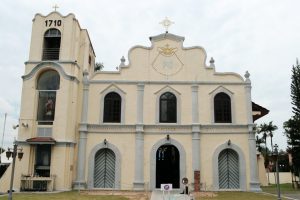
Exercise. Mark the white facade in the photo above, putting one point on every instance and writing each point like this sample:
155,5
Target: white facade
155,120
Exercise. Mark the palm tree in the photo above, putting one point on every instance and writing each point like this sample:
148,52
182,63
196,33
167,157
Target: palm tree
267,130
259,140
270,129
263,128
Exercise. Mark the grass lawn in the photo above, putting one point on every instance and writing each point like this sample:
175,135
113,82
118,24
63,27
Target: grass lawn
238,196
284,188
74,195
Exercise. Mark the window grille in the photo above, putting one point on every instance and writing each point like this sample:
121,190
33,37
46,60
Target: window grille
167,108
112,108
222,108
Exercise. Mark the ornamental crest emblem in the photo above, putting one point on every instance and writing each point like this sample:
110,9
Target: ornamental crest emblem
167,62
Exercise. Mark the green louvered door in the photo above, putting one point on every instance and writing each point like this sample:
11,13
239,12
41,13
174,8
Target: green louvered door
229,170
104,172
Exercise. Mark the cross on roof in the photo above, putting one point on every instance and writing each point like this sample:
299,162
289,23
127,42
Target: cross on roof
55,7
166,23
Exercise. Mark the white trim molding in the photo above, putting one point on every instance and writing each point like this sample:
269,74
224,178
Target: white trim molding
45,65
242,165
91,164
103,93
163,90
182,159
212,104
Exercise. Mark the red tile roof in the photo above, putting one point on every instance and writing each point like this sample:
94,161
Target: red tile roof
261,111
41,140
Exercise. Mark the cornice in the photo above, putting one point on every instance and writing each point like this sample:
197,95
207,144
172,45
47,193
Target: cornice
135,82
59,62
164,36
169,128
50,65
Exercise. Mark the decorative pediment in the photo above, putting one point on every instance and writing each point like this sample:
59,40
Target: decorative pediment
113,88
166,61
166,36
167,88
169,61
44,65
221,89
54,13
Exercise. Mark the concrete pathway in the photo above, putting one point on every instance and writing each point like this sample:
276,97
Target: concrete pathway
287,196
174,195
293,196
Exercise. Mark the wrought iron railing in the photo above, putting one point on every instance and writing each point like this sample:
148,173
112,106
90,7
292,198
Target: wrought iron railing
51,54
36,183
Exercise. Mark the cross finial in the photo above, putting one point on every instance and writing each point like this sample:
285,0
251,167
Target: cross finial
166,23
55,7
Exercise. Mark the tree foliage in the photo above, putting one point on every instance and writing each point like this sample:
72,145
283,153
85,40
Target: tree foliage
295,89
292,131
267,130
292,126
98,66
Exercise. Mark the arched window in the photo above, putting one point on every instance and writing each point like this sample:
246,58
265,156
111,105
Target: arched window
47,84
51,46
222,108
167,108
112,108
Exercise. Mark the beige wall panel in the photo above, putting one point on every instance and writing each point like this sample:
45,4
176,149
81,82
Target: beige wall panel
61,171
127,154
166,63
209,143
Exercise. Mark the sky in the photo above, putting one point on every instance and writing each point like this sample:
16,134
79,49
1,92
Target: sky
261,36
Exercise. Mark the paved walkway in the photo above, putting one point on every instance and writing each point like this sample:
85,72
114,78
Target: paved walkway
293,196
174,195
287,196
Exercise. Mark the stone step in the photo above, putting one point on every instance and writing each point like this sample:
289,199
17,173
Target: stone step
174,195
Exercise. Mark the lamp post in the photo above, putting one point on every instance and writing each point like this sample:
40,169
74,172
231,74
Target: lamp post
14,153
275,157
1,148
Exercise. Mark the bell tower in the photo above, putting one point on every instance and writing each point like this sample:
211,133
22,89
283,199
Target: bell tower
60,51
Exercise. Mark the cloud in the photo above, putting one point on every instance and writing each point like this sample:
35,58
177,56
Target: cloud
7,131
5,106
259,36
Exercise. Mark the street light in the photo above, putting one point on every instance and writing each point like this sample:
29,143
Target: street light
275,158
14,153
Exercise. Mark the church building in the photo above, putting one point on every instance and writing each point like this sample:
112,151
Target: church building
163,115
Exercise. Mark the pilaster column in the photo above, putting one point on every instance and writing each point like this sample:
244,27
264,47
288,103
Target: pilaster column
138,183
195,138
195,107
196,148
80,182
140,104
195,129
254,181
